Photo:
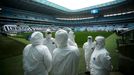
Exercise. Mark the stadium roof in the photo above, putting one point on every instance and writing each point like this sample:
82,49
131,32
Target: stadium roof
77,5
55,10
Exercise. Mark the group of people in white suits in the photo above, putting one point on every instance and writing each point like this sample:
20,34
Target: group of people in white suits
49,56
60,56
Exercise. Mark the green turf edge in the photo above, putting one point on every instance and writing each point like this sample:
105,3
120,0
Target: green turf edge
20,40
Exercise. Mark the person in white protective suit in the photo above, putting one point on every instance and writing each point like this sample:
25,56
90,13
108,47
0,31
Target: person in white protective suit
100,63
37,59
49,41
88,50
65,57
71,39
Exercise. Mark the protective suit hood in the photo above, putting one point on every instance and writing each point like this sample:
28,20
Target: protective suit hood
99,42
36,38
48,34
71,39
71,36
61,38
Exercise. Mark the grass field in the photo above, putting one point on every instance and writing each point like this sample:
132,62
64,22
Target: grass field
11,51
81,37
9,47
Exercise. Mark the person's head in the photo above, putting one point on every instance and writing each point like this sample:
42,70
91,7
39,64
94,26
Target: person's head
89,39
99,42
36,38
61,38
48,33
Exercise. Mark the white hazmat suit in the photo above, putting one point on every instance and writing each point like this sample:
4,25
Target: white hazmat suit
100,63
37,59
49,41
65,58
88,50
71,39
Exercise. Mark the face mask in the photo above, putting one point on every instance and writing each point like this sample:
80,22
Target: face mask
99,42
89,40
99,45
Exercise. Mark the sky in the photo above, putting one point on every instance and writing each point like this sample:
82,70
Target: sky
78,4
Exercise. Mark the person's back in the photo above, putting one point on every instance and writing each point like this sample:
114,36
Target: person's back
65,58
37,59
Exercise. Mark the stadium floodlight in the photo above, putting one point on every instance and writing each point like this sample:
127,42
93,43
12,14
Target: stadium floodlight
94,11
78,4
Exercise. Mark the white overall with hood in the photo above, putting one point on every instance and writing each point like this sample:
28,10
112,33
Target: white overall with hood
71,39
65,57
37,59
100,63
88,50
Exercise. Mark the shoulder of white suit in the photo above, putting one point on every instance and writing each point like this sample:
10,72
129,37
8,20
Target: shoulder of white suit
86,43
73,48
42,48
27,46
